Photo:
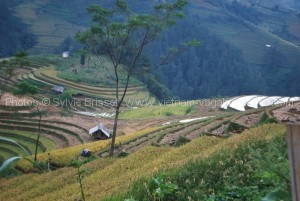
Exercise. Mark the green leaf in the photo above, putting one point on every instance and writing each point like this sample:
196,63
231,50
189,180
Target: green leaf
83,171
75,164
4,139
130,199
8,162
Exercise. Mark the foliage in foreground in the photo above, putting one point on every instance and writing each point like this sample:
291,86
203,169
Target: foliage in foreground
254,170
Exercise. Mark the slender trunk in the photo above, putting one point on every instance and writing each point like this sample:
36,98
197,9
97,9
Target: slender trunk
38,138
3,87
113,139
80,183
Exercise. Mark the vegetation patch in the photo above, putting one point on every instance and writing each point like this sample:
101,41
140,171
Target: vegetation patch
250,171
181,141
234,128
155,111
95,72
265,119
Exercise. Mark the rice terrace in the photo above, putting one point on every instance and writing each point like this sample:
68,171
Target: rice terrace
128,100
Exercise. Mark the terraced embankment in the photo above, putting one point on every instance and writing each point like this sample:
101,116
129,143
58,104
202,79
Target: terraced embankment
221,125
48,76
54,134
113,175
26,139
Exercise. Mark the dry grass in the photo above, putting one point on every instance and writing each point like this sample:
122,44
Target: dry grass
108,176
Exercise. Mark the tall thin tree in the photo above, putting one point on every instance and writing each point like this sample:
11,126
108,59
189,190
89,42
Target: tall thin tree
123,35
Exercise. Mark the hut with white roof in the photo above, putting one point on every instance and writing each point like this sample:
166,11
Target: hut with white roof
100,132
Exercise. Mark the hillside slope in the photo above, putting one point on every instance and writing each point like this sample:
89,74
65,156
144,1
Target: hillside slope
237,56
14,33
246,47
116,175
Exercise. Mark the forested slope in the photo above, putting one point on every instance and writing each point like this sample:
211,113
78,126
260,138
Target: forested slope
233,58
14,35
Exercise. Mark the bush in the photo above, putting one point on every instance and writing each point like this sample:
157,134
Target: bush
265,119
235,128
122,154
181,141
188,110
168,113
25,88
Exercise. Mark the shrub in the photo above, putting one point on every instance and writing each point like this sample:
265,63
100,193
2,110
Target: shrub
181,141
122,154
265,119
235,128
164,189
25,88
188,110
168,113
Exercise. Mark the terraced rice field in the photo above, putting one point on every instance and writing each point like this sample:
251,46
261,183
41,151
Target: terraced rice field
50,28
113,175
54,134
48,76
168,135
26,140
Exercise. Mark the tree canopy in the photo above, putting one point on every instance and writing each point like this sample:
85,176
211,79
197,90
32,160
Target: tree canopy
123,35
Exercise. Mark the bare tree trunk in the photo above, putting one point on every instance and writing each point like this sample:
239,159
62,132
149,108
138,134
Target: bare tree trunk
38,138
3,87
112,146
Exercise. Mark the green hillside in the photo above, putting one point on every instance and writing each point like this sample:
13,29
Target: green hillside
251,57
236,33
50,27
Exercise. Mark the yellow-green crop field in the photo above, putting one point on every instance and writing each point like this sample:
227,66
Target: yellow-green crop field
108,176
62,157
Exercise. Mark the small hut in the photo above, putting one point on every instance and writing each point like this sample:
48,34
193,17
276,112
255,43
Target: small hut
66,54
100,132
58,89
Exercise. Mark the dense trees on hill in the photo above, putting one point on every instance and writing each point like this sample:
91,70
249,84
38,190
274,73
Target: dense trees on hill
214,69
244,10
13,33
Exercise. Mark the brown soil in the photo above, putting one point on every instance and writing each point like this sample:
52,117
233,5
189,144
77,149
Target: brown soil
171,138
249,120
205,128
8,99
220,130
289,113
